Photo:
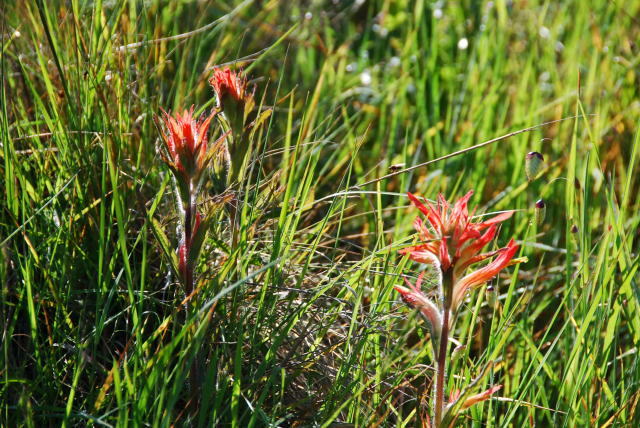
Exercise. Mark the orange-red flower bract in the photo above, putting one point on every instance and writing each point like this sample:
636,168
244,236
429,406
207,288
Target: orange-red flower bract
413,296
228,84
186,142
453,241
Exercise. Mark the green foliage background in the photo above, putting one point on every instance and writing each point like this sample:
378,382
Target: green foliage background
299,325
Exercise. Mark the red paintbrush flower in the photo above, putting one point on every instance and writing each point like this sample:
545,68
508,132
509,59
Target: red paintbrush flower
233,94
453,241
185,140
227,82
235,99
186,148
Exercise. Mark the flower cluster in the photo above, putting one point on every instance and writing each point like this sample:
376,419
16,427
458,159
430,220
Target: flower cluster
188,152
452,241
190,155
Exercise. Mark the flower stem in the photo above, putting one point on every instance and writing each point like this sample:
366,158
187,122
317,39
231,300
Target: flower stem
447,282
189,214
441,368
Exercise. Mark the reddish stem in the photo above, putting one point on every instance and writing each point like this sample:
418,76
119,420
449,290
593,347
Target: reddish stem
188,216
441,357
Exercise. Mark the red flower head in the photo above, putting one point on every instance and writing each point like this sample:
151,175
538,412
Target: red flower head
453,241
231,87
185,141
234,97
187,151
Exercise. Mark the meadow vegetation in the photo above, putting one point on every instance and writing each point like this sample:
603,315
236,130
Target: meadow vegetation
291,318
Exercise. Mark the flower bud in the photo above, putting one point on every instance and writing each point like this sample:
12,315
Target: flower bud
237,103
534,163
541,211
458,351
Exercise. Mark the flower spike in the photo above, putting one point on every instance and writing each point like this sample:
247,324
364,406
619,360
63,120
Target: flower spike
185,141
454,242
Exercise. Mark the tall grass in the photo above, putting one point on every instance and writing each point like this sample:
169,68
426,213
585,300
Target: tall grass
298,325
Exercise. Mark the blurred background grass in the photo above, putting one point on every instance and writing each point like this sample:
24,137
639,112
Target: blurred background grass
299,325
